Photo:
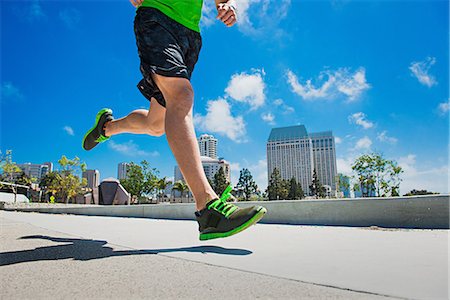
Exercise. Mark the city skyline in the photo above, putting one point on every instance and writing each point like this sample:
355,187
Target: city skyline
379,88
297,153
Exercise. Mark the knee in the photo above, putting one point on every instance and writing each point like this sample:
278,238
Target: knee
181,97
157,132
156,128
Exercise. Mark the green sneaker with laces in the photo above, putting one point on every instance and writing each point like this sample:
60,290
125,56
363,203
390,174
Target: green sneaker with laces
96,134
222,219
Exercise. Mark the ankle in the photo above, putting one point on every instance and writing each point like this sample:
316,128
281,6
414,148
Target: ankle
107,129
207,197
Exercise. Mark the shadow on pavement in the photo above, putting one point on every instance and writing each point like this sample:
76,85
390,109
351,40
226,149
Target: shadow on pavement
84,249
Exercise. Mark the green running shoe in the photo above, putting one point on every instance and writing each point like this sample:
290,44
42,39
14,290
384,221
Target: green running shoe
221,219
96,134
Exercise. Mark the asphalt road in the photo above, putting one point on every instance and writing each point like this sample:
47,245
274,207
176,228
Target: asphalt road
64,256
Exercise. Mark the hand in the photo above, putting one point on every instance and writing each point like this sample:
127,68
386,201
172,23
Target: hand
226,13
136,3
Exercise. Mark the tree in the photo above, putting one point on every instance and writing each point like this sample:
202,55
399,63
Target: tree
68,182
377,175
161,185
49,183
316,188
343,183
295,190
181,186
220,182
246,186
9,168
419,192
9,172
140,179
24,179
277,188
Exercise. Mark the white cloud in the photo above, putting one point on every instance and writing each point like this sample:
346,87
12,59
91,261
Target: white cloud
433,179
351,85
408,163
209,13
269,118
363,143
218,119
278,102
308,90
259,172
331,84
337,140
420,69
30,11
69,130
235,169
383,137
248,88
130,149
344,166
35,11
286,109
256,17
360,119
444,107
70,17
9,90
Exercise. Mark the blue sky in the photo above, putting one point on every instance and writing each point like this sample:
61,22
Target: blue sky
373,72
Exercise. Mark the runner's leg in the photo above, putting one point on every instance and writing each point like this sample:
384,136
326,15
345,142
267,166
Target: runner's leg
180,133
140,121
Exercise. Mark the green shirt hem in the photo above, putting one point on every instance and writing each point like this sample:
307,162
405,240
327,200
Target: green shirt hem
168,11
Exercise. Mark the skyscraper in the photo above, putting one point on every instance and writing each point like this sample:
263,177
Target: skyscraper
92,177
122,169
324,152
208,146
210,162
210,166
36,171
295,153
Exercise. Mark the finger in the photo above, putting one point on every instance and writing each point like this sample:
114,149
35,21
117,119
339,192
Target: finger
133,2
231,23
228,17
222,10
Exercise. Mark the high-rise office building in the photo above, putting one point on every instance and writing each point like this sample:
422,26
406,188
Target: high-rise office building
295,153
92,177
122,169
36,170
208,146
210,166
324,153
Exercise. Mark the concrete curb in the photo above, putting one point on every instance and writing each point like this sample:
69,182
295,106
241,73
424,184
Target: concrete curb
423,212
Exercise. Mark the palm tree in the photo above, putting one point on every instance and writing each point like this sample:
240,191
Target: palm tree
161,185
181,186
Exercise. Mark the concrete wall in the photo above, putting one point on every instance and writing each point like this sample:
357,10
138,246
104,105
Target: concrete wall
426,212
9,198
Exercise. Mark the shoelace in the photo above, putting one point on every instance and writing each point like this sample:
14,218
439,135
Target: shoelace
221,205
101,138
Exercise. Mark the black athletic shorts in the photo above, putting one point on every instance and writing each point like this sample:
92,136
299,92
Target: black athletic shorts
165,47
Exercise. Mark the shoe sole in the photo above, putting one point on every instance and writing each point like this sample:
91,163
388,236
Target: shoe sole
258,216
97,118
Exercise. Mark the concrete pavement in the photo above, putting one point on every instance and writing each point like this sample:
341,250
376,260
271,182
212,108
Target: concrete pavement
64,256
